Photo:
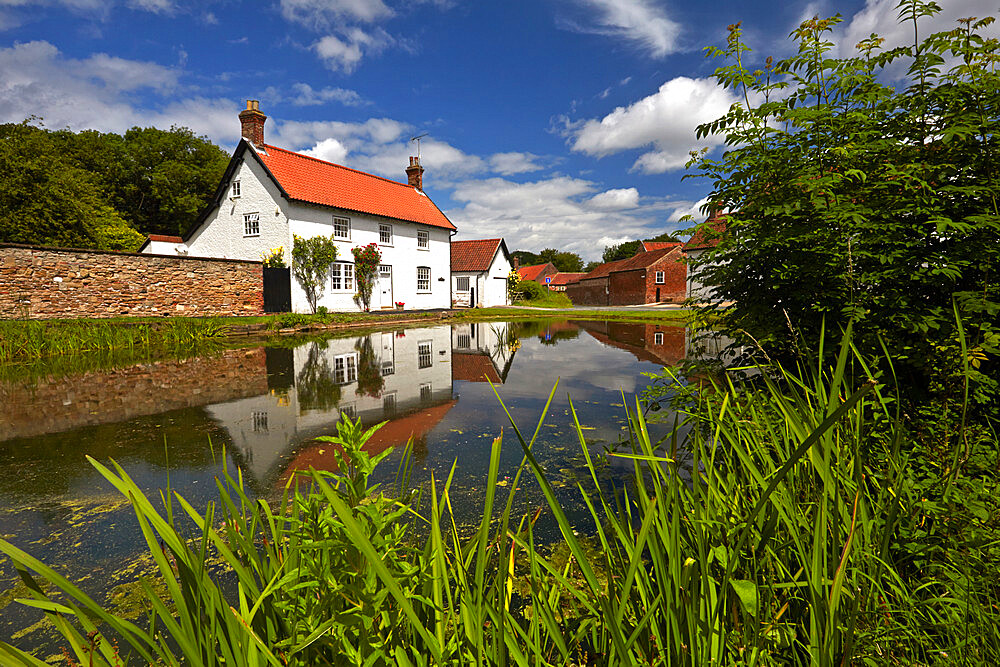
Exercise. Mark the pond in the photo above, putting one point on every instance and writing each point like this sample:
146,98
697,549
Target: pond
178,421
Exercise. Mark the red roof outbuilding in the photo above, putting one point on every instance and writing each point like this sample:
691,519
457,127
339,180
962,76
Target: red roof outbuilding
474,255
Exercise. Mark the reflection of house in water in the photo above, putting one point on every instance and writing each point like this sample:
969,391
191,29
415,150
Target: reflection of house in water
482,351
403,377
662,344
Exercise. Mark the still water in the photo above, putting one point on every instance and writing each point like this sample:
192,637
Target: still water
178,422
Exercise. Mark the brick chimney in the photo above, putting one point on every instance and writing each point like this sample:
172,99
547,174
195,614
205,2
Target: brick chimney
252,124
415,174
517,262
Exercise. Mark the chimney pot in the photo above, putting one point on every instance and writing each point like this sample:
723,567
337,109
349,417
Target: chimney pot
252,124
415,174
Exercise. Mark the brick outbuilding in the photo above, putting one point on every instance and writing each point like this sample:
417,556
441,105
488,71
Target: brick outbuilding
649,277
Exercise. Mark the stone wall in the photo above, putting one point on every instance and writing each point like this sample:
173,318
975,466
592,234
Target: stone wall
47,283
110,396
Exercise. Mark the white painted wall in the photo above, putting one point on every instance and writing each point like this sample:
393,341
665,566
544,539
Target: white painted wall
163,248
491,286
695,288
403,256
222,235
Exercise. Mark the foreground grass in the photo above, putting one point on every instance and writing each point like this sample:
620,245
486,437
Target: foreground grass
791,528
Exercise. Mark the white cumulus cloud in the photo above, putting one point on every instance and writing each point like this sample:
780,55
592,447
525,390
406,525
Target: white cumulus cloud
614,200
665,120
507,164
321,14
36,79
306,96
558,212
642,22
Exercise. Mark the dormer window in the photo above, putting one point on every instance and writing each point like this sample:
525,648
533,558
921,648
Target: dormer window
236,189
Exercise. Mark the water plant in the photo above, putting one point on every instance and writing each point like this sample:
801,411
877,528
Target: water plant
780,525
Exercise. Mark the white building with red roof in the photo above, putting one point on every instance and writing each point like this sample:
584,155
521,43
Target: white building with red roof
479,271
269,195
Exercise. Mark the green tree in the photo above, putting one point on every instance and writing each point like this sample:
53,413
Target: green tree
311,262
852,199
45,199
563,261
624,250
526,258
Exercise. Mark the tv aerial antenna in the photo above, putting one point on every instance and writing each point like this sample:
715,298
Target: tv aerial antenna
417,139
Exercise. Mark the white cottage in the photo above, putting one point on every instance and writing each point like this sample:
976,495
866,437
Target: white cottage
479,271
269,194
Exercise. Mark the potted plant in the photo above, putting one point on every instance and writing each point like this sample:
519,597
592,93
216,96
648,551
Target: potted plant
399,305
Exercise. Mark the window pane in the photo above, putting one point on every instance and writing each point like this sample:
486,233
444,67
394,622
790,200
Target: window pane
341,228
424,356
422,239
385,234
462,284
423,279
348,276
336,282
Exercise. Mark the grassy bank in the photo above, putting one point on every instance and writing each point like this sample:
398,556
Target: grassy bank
799,524
22,340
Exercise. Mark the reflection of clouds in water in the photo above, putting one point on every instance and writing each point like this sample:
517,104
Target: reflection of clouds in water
585,368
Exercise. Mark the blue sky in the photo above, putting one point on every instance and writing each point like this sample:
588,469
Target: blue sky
552,123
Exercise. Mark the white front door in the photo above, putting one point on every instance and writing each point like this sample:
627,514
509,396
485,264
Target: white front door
385,286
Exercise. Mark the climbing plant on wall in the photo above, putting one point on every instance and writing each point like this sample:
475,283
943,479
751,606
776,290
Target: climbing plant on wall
366,261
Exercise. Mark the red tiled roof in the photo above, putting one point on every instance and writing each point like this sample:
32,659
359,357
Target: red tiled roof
708,233
316,181
474,367
473,255
639,261
649,246
162,238
566,278
532,272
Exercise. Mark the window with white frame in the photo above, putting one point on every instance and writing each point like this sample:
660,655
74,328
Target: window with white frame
659,278
389,404
345,368
462,284
342,228
423,240
388,367
385,234
464,341
658,338
251,224
341,277
425,354
425,392
423,279
236,189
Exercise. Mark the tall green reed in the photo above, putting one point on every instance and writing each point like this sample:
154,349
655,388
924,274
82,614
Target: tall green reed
768,535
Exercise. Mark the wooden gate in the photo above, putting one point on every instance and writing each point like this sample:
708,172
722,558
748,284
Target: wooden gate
277,290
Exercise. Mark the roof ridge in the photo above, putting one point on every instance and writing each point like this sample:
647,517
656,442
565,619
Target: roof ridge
339,166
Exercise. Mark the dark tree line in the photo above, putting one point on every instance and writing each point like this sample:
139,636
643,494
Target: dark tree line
102,190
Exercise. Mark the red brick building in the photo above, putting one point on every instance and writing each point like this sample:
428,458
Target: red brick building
650,277
537,272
